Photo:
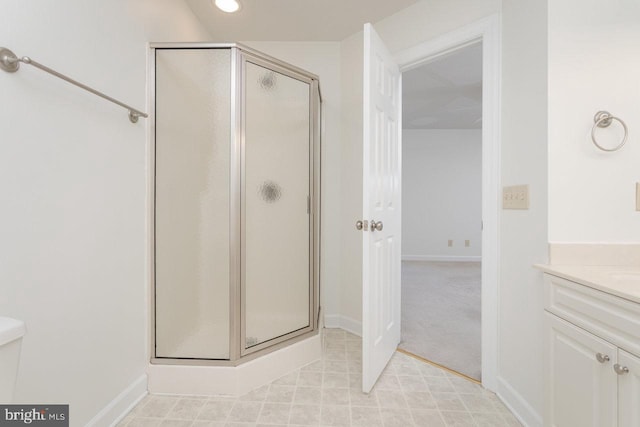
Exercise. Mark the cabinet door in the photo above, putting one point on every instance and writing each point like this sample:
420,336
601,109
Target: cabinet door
580,390
629,390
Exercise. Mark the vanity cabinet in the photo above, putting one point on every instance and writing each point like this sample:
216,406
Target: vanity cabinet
592,364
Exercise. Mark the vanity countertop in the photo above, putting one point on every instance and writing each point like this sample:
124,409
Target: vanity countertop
622,281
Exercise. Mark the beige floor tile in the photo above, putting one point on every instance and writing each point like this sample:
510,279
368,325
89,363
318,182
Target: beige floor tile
335,354
396,417
310,379
144,422
156,407
175,423
280,394
486,419
215,410
388,382
186,409
365,417
448,402
358,398
335,416
412,383
308,395
420,400
427,418
199,423
333,380
391,399
335,396
457,419
257,395
355,381
275,413
305,415
439,384
477,403
315,367
245,412
335,366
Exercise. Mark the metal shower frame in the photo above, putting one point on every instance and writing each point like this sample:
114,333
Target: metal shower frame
238,353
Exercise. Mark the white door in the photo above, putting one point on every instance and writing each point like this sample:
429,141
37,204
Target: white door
628,390
582,388
381,208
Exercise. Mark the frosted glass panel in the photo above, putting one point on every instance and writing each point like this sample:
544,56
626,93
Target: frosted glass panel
276,250
193,104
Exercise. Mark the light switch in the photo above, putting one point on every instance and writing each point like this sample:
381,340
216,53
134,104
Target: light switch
515,197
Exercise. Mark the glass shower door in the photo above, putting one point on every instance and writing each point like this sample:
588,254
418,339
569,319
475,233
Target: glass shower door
276,223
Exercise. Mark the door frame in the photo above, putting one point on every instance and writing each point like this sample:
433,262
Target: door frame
487,31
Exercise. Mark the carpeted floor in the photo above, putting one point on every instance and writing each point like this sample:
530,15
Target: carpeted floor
441,313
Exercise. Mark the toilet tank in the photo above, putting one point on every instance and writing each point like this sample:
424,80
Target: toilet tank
11,333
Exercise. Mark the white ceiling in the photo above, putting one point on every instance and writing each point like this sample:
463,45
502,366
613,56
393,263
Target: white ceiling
293,20
445,93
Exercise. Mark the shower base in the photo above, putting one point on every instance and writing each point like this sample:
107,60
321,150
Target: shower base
233,380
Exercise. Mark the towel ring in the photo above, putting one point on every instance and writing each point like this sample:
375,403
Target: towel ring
603,119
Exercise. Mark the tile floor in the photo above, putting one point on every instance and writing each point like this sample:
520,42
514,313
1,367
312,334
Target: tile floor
327,393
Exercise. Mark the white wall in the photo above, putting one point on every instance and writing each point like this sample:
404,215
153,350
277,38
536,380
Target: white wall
322,59
428,19
594,64
523,234
351,68
441,193
73,229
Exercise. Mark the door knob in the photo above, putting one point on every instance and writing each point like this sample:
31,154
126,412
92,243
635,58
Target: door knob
376,225
620,370
362,225
602,358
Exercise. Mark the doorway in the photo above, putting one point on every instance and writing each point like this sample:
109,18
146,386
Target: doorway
379,277
442,210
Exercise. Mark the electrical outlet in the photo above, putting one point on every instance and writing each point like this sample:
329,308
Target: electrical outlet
638,196
467,243
515,197
450,244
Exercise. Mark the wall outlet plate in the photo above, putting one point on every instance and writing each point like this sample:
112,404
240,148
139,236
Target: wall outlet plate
515,197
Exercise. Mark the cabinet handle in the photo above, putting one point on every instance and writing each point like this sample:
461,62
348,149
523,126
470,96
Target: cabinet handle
602,358
620,370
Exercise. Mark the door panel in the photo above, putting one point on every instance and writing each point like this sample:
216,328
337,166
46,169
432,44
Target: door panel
629,390
381,205
581,391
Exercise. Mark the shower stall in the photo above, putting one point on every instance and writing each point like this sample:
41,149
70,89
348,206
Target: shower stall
235,160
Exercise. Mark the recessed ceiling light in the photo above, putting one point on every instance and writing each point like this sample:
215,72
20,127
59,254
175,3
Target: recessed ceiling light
228,6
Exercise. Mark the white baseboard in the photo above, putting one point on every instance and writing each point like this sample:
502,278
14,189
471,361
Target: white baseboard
522,410
343,322
450,258
119,407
